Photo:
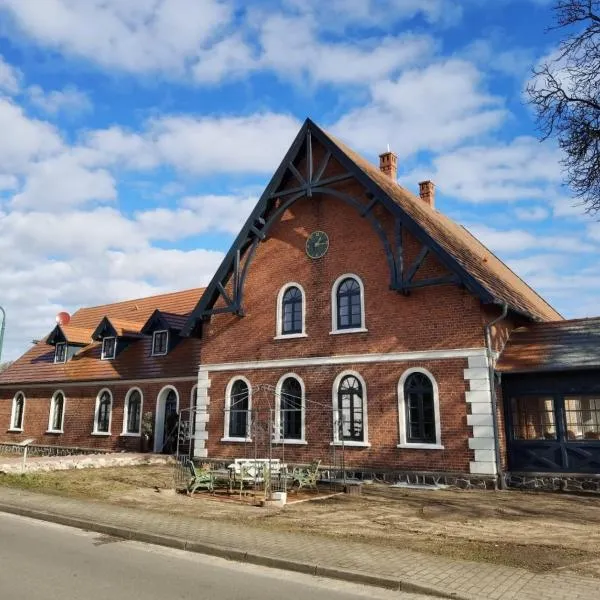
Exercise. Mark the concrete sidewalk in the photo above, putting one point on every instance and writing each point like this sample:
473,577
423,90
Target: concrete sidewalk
353,561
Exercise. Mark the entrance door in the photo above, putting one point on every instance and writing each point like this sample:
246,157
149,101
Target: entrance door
170,423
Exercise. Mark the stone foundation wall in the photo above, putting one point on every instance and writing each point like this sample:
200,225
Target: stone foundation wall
38,450
554,482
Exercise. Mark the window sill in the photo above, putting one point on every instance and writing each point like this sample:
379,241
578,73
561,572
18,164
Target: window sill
291,442
290,336
128,434
107,358
236,439
421,446
351,444
58,431
15,430
154,354
354,330
101,433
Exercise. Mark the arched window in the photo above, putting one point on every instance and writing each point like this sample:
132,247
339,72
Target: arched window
350,409
348,305
133,412
103,412
291,311
57,412
290,410
238,407
18,410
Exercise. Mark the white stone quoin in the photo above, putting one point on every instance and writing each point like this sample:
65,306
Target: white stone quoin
479,397
202,416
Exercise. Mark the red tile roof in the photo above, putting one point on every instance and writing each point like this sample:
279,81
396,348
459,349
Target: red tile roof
133,362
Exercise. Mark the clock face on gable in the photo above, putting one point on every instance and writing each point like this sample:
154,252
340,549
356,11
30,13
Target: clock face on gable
317,244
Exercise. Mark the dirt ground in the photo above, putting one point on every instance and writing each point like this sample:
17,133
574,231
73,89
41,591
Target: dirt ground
537,531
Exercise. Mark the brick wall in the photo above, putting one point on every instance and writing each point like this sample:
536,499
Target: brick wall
80,403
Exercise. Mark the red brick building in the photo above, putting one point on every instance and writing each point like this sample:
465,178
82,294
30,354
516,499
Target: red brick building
348,313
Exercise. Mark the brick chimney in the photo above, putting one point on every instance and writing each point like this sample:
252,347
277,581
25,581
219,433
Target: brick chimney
388,164
427,192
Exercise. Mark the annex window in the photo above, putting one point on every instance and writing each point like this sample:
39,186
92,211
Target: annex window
582,414
57,413
533,418
18,410
133,412
350,410
109,348
419,409
160,342
103,412
291,419
60,352
291,311
348,305
237,411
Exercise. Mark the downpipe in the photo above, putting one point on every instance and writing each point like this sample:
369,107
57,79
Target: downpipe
500,482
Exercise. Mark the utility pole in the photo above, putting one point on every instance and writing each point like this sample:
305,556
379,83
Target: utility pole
2,330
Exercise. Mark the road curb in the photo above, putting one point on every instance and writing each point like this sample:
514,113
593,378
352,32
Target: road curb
231,553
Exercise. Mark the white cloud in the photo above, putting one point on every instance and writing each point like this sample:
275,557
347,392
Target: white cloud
534,213
10,78
433,108
521,169
69,100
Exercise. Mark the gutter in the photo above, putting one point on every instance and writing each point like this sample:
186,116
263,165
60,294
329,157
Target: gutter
500,482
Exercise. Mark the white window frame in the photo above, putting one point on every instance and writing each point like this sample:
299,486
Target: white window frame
277,438
334,306
126,433
104,356
166,345
279,335
226,437
56,361
51,415
110,414
402,412
13,412
334,400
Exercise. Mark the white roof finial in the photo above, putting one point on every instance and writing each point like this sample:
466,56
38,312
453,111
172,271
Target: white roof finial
388,147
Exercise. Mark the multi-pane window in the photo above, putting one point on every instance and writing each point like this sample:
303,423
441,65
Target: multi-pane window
134,410
103,412
420,409
57,408
109,347
160,341
349,305
291,313
238,409
291,409
18,410
350,409
60,353
533,418
582,415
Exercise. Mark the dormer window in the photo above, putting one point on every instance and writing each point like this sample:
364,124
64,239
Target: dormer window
109,348
60,352
160,342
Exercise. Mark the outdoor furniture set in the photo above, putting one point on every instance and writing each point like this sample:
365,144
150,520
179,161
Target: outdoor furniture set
246,473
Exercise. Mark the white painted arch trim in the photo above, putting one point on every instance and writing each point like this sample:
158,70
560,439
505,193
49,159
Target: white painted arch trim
51,413
226,436
97,409
344,359
159,415
334,402
13,412
402,412
279,325
278,438
334,306
126,412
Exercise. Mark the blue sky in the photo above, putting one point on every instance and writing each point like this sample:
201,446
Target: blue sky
137,134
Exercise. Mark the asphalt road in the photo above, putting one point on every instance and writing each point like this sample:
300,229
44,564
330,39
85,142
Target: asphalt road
43,561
